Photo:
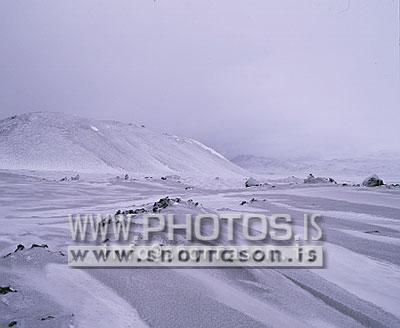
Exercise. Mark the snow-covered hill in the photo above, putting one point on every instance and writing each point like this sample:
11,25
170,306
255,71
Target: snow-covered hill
60,142
355,169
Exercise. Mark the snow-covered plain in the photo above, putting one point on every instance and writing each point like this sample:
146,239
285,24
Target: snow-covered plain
360,285
40,157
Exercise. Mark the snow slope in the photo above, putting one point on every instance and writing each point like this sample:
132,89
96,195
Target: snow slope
60,142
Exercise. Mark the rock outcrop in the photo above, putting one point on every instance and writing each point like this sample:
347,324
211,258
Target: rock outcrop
373,181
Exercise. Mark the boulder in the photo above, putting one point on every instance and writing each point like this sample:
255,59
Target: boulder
6,290
251,182
373,181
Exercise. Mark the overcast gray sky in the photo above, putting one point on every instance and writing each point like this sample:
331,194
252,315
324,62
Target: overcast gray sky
274,78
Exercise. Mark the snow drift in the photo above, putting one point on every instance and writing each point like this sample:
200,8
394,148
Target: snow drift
59,142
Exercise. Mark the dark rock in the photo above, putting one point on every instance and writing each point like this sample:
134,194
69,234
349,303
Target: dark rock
20,247
373,181
373,232
39,246
6,290
251,182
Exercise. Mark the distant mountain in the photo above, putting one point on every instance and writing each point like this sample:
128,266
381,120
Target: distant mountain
266,165
60,142
386,165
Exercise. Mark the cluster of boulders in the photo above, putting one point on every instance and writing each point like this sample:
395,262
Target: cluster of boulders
164,203
312,179
125,177
75,178
371,181
131,212
155,208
